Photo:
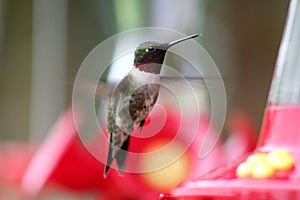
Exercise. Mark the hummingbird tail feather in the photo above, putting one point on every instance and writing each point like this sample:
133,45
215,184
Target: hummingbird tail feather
121,156
115,152
109,156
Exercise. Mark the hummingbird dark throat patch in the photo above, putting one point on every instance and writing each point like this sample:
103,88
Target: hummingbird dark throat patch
150,67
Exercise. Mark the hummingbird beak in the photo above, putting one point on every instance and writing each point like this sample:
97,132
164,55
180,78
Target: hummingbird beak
181,40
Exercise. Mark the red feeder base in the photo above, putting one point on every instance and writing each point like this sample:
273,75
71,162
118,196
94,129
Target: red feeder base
280,130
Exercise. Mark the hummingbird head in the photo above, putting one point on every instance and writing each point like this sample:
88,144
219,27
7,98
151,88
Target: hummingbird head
149,56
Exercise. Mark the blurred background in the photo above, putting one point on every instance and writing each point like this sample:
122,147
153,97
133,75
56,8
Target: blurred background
43,43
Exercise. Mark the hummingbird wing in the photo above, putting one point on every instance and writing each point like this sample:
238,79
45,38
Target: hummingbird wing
105,90
182,83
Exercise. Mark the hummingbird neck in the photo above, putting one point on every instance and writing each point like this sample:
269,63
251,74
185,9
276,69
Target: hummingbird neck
153,68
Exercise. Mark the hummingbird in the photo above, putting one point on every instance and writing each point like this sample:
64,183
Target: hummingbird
134,97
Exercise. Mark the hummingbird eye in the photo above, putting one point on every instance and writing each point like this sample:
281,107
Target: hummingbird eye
150,49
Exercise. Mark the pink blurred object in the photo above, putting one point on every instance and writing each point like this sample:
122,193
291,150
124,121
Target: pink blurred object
49,154
63,160
14,158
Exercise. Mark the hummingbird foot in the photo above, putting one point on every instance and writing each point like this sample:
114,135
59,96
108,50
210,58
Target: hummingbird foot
142,124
